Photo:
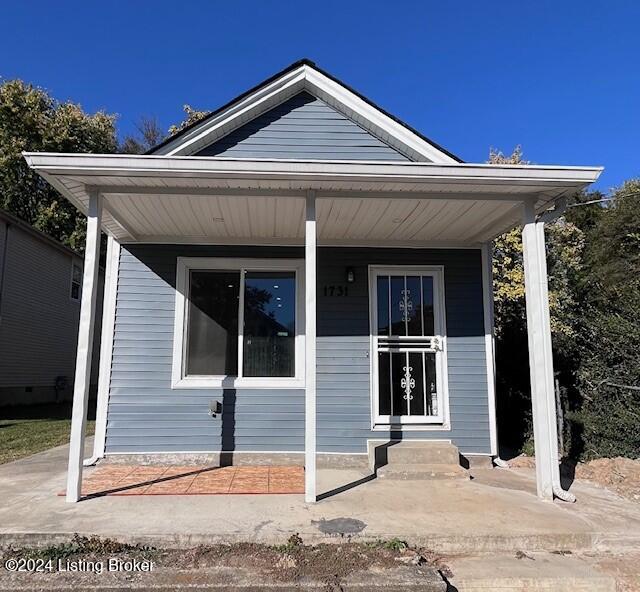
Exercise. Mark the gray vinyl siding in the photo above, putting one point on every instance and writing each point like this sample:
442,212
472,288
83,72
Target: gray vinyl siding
303,127
39,321
343,367
147,415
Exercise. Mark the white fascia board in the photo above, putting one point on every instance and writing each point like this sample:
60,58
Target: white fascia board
248,108
330,91
304,78
117,165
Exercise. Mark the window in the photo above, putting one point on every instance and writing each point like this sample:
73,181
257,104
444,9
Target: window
76,281
237,323
408,346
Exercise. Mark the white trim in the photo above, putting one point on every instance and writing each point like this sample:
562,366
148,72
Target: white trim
86,327
489,341
183,266
75,262
241,452
310,349
294,242
106,347
306,78
441,421
119,165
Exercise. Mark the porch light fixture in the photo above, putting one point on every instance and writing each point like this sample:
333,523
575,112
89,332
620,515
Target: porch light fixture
351,275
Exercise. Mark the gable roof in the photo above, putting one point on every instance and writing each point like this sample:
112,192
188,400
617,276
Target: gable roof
301,76
303,127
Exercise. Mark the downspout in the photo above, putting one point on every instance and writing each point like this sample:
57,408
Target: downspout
551,216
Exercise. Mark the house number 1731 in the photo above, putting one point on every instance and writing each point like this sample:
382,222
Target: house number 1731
337,291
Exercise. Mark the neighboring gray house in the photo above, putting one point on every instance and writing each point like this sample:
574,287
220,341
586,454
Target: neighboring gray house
40,289
319,269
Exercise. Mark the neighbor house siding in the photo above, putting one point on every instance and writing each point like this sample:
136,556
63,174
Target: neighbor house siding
147,415
303,127
38,319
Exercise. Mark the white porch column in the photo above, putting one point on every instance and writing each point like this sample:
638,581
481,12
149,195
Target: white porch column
540,355
85,345
310,348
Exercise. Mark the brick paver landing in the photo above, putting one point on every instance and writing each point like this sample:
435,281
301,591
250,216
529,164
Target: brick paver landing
163,480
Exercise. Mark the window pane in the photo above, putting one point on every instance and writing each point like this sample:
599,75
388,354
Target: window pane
77,274
427,305
398,324
383,305
413,305
212,333
269,323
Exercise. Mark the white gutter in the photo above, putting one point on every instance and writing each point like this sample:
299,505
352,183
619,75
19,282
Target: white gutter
216,167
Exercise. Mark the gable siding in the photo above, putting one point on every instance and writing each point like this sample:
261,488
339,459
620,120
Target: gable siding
303,127
147,415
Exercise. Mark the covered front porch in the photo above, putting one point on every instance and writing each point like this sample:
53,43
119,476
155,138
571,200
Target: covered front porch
375,219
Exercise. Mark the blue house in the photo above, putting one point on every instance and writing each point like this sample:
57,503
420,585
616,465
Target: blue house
303,276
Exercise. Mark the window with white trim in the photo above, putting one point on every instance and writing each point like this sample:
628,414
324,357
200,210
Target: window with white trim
76,282
237,323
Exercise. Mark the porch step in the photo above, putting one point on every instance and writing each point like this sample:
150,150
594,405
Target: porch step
413,452
421,472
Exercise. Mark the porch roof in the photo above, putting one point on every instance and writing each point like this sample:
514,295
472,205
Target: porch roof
152,198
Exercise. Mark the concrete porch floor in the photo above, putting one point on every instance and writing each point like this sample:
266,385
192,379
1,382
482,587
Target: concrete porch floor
496,511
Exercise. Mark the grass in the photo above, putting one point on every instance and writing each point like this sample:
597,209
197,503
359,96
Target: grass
26,430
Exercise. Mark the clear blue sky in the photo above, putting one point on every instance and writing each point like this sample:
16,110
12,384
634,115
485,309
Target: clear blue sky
562,78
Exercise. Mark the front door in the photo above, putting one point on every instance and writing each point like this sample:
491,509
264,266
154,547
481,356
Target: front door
408,341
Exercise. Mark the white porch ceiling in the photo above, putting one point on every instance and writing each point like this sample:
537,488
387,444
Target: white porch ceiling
195,199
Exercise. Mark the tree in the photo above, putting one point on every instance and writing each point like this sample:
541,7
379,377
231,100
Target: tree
565,242
608,376
148,135
193,116
31,120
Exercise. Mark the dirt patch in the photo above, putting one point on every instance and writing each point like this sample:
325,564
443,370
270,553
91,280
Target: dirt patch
522,462
620,475
293,561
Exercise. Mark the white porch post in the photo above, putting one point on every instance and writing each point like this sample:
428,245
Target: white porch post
540,355
85,345
310,348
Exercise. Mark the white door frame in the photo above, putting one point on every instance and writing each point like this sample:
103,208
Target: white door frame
435,422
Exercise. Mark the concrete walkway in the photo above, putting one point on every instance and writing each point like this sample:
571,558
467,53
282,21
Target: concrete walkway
496,511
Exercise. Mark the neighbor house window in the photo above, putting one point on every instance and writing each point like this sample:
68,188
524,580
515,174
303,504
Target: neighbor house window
76,281
237,323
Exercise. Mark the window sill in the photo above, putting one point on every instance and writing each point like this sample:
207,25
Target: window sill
222,382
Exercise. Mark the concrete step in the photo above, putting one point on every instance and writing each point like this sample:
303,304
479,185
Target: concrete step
531,572
413,452
421,472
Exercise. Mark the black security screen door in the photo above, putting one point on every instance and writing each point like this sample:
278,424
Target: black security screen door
408,347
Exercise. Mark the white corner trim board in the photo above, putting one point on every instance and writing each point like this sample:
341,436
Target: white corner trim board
106,348
487,298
